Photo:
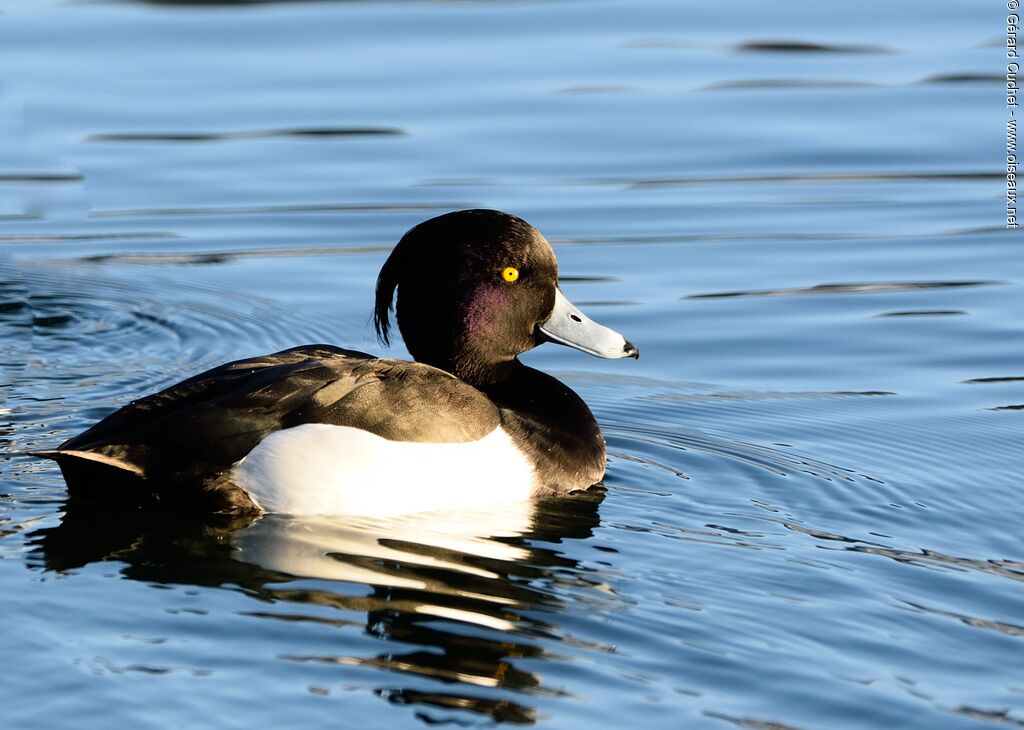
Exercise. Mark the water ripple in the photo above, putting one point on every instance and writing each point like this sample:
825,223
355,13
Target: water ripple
75,334
998,626
773,460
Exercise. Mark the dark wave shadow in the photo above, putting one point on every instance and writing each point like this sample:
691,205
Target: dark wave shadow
599,89
278,209
795,46
877,287
963,78
105,236
246,3
454,597
633,183
924,313
763,46
200,258
41,177
926,558
788,84
825,177
300,132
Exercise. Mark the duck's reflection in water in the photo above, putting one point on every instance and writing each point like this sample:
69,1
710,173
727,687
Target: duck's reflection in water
461,589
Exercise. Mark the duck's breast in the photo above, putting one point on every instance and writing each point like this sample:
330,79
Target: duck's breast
324,469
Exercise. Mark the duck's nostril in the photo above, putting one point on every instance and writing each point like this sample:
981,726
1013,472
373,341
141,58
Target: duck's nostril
575,318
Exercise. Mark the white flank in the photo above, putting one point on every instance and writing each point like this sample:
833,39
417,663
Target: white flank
319,469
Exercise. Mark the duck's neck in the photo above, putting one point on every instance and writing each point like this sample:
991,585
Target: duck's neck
464,358
482,374
545,418
549,421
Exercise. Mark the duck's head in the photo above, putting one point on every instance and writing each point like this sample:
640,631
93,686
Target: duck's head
475,289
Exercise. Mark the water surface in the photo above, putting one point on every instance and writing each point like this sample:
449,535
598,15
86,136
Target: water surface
812,515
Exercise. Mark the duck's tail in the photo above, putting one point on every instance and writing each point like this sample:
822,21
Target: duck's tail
65,455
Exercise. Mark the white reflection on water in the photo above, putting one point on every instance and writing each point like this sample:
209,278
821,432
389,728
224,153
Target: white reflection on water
313,546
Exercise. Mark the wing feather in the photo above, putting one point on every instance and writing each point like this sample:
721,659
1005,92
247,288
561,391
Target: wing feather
189,435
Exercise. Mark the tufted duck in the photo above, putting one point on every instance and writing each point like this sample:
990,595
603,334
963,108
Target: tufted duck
322,430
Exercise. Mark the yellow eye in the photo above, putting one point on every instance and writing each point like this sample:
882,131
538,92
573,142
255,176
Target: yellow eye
510,274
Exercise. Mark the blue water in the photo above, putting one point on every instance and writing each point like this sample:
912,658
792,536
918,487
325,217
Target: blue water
812,514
